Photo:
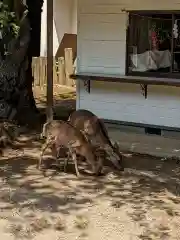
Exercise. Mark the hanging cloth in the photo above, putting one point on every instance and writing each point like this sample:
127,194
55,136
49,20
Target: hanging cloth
154,40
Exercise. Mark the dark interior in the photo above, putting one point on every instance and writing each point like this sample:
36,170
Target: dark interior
151,33
35,8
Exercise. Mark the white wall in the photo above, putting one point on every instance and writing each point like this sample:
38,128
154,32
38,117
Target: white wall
63,17
65,21
74,16
102,49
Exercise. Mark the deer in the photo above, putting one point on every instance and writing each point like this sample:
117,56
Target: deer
9,132
94,129
59,133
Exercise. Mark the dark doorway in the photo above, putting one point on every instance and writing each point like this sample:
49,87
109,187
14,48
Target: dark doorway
35,8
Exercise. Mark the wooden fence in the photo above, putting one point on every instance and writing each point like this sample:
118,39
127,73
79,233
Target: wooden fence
62,68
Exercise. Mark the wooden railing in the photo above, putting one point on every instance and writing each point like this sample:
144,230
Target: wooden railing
62,69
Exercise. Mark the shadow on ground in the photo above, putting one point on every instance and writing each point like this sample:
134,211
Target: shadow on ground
64,103
147,184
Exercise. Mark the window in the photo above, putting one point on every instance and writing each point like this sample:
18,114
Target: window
153,44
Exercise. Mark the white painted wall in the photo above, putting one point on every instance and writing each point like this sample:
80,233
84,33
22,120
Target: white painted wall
65,21
74,16
102,49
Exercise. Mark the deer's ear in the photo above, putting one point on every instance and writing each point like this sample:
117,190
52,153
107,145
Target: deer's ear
116,145
94,119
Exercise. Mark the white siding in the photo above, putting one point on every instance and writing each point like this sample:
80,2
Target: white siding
124,102
102,49
102,43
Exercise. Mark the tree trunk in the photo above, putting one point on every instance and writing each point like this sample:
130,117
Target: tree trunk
16,97
34,15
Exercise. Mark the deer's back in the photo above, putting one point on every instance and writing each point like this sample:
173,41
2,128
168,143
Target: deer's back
68,135
65,133
80,117
81,112
91,124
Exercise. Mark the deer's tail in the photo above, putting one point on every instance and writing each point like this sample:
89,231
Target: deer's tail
44,130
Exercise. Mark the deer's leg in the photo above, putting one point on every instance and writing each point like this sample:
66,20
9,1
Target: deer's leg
54,151
75,163
100,157
44,147
99,166
73,154
66,160
116,149
117,152
115,159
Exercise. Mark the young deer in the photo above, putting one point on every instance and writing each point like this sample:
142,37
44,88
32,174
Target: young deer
94,129
60,133
9,132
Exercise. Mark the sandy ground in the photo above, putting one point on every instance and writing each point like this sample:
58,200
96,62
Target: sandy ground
64,99
142,203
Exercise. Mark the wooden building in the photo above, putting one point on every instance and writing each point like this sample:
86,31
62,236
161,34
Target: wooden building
128,61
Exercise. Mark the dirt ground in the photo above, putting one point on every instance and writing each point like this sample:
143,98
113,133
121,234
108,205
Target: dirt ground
141,203
64,99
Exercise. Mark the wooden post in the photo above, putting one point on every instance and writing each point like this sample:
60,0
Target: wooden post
49,60
61,71
69,66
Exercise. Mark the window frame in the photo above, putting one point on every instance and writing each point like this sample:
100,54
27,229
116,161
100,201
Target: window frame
171,75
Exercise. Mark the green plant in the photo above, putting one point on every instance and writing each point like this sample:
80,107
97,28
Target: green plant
8,22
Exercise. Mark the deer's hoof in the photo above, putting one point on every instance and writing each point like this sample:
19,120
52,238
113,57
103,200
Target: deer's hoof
78,175
38,167
99,172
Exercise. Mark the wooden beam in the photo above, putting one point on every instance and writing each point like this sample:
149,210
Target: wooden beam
127,79
49,60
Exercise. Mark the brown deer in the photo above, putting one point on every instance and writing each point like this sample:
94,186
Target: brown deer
95,130
59,133
9,132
